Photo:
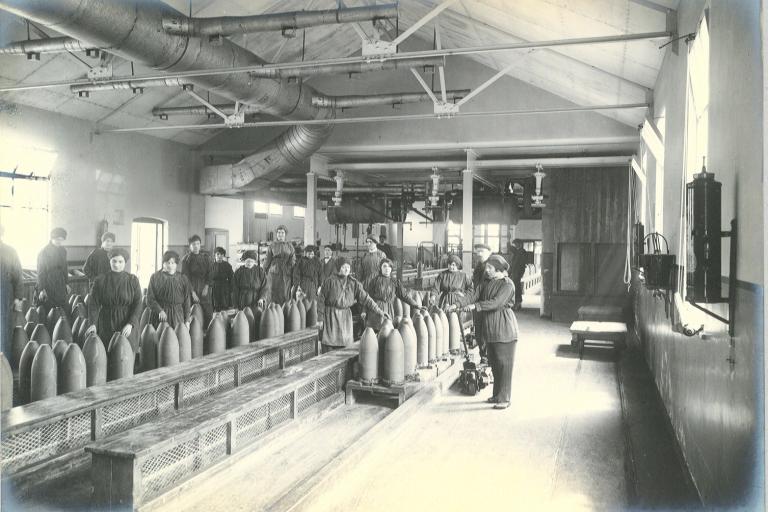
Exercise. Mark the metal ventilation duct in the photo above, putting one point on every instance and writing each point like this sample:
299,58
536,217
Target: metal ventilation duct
133,30
49,45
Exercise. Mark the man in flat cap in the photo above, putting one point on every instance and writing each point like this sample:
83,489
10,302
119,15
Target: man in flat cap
97,262
369,263
52,271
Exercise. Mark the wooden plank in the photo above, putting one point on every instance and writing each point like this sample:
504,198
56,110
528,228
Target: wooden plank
70,404
600,328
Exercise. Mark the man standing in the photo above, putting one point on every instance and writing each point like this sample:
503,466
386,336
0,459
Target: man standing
369,263
197,265
52,272
479,275
385,247
97,262
328,264
517,271
10,291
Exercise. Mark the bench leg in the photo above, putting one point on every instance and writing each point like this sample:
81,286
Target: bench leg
580,342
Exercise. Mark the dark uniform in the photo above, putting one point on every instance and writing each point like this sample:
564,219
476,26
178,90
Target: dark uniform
478,278
171,293
369,266
249,285
451,287
384,290
338,294
327,268
199,270
517,271
117,297
279,266
222,285
52,275
306,274
10,290
96,264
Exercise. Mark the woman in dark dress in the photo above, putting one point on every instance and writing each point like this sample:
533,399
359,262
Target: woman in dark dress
306,274
250,285
279,266
197,265
493,301
116,296
452,285
383,289
222,280
169,295
337,294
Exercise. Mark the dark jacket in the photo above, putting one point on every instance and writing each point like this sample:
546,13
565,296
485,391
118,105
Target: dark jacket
493,301
53,275
96,264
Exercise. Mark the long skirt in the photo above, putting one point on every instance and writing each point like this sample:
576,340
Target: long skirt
501,357
337,327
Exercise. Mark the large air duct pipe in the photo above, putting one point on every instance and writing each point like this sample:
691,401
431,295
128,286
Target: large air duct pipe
230,25
133,30
50,45
381,99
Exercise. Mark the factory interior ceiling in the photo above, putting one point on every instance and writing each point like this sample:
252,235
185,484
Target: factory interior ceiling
620,73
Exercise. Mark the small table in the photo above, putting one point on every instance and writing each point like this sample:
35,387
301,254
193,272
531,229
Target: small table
604,331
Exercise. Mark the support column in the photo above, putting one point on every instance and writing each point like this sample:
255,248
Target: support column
467,237
397,234
547,249
318,164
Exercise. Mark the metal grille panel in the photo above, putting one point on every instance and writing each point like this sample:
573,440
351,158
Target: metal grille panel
308,349
252,368
46,441
280,410
292,354
225,379
306,396
272,360
197,388
137,410
327,385
251,425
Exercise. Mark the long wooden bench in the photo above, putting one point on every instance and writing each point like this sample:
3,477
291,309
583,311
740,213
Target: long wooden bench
139,465
45,439
604,331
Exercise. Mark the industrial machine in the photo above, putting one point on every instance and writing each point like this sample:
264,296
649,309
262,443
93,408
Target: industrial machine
475,375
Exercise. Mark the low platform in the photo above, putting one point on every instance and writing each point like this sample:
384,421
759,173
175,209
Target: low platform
581,331
398,393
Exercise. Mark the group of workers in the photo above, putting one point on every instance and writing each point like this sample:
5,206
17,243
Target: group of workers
116,296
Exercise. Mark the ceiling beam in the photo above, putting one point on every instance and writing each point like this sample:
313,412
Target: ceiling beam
506,163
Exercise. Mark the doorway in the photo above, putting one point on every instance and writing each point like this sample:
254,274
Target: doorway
216,238
148,241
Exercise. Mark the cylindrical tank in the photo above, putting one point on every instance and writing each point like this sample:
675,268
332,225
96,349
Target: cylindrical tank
6,384
302,312
366,210
704,231
240,330
408,336
215,337
41,335
31,316
384,330
312,314
197,337
148,348
185,342
168,349
248,312
494,209
394,360
62,331
58,350
95,361
454,333
72,370
43,376
25,370
294,318
120,359
432,337
369,357
19,340
422,339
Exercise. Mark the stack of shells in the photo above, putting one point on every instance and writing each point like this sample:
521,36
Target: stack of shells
400,348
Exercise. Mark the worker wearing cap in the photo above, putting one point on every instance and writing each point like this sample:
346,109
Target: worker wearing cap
97,262
52,271
307,274
492,305
452,284
251,285
369,263
483,252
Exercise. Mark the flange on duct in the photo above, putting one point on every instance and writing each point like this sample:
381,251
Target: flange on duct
339,179
538,197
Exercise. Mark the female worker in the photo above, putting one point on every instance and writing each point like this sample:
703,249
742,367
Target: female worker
222,280
493,301
116,298
197,265
452,284
250,286
306,274
383,289
279,265
337,294
169,295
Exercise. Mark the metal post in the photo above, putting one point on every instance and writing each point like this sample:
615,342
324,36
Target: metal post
467,237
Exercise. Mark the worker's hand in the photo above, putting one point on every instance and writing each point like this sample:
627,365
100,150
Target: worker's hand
205,291
195,298
163,316
260,303
127,330
469,307
43,296
17,305
451,307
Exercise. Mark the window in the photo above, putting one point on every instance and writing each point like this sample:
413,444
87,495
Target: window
275,209
298,212
697,110
260,207
489,234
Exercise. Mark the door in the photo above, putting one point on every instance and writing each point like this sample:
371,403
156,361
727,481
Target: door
147,246
214,238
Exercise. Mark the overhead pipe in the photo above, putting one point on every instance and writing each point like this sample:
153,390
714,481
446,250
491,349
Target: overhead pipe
48,45
366,100
231,25
201,110
129,84
133,30
348,190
